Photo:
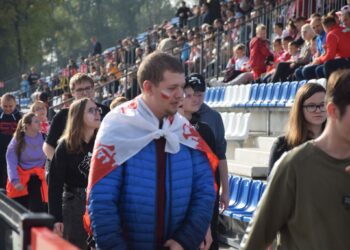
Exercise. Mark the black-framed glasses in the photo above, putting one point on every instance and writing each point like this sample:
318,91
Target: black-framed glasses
81,90
94,111
313,107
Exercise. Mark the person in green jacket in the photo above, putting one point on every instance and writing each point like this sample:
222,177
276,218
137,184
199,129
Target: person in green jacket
307,198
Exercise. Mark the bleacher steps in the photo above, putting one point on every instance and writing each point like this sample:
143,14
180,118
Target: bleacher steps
252,156
265,143
252,170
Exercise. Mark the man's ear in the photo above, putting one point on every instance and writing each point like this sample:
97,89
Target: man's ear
333,111
147,86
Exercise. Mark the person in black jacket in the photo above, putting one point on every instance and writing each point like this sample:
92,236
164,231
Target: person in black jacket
68,174
188,110
81,85
9,117
306,121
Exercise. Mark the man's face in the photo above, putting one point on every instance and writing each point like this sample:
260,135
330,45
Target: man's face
84,89
198,99
188,104
317,26
345,18
8,106
169,93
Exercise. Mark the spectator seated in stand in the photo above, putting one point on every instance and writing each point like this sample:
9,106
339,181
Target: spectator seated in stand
237,69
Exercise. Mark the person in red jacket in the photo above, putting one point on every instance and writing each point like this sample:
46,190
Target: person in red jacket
259,51
337,49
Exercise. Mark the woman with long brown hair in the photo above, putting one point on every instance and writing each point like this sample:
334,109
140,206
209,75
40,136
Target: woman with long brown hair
306,121
25,165
68,174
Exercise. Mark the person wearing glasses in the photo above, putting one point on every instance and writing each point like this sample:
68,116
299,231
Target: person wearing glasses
307,196
68,174
81,86
307,119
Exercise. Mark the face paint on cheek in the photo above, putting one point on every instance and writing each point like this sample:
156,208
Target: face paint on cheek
165,94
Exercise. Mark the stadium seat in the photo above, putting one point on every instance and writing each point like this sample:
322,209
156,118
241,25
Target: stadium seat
261,95
234,188
219,97
254,197
240,90
276,91
228,95
224,117
213,96
232,123
208,93
234,95
268,95
284,94
242,131
322,81
245,95
253,95
292,93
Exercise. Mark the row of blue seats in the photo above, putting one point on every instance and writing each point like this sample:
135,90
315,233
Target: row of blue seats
260,95
244,195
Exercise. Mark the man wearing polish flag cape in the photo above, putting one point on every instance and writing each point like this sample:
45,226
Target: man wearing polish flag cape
151,182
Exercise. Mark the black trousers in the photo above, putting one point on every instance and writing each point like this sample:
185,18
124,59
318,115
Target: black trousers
333,65
33,201
73,209
283,71
3,172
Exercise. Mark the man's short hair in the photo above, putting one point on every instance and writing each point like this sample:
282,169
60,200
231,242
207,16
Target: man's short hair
8,97
260,27
328,21
79,78
154,65
338,89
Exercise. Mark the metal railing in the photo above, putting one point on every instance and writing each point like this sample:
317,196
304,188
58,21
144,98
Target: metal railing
16,222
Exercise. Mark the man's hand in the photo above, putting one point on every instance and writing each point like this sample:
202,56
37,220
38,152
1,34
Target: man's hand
205,245
19,187
58,228
224,200
173,245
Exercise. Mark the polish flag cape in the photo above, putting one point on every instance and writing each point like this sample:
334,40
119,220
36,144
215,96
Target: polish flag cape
129,128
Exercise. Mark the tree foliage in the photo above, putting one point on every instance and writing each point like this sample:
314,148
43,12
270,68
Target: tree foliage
31,30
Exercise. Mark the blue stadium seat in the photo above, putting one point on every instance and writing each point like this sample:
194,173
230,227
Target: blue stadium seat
243,197
254,197
284,95
268,95
234,187
292,93
276,91
248,217
253,95
301,83
213,96
221,97
261,95
208,93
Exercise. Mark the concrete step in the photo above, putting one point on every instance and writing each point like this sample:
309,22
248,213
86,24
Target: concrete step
264,142
252,171
252,156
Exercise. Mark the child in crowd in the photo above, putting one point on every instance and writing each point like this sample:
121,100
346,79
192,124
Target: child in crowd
9,117
237,64
39,109
25,165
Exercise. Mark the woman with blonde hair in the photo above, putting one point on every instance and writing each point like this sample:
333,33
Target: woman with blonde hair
68,174
40,110
307,119
25,165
